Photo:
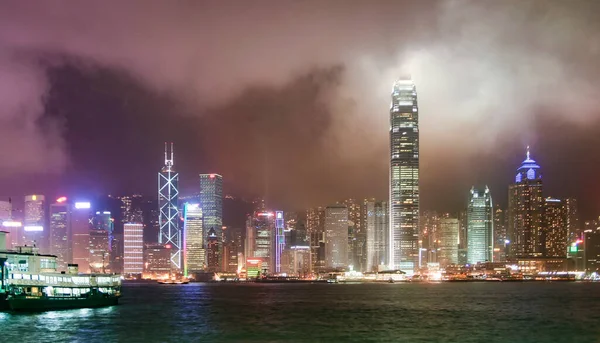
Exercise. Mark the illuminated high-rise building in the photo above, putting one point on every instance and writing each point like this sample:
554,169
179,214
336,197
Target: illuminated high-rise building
193,233
33,222
525,211
168,192
60,233
447,237
480,226
377,230
315,227
500,236
357,235
555,234
336,236
133,248
572,219
260,240
212,251
211,202
80,235
404,176
429,224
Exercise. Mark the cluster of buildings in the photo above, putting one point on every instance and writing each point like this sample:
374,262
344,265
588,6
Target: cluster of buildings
536,233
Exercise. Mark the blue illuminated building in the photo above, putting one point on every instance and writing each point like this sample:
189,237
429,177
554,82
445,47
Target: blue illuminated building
525,211
480,227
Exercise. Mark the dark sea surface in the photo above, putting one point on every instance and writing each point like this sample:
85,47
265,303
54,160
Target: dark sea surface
444,312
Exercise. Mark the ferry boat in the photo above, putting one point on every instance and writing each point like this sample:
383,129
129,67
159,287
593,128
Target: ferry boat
30,282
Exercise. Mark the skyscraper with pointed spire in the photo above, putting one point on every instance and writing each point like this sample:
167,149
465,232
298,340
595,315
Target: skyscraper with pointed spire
168,217
404,177
525,211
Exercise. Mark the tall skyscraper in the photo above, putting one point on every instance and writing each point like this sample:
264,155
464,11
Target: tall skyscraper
404,176
211,202
525,210
480,226
572,219
336,236
193,233
101,237
555,234
428,241
212,251
133,248
33,222
315,227
377,230
261,238
60,233
500,236
447,237
279,242
357,237
168,192
80,228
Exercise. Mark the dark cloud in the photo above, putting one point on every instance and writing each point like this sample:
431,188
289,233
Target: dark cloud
290,98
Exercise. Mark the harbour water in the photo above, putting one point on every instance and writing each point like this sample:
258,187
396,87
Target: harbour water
444,312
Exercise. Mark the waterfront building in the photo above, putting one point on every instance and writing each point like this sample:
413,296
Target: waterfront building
480,226
260,239
211,202
555,234
157,261
500,237
233,249
133,248
336,237
34,222
116,263
8,224
357,236
195,253
315,227
377,232
168,192
525,210
101,235
447,237
591,250
212,251
428,244
80,234
571,211
404,177
462,237
60,233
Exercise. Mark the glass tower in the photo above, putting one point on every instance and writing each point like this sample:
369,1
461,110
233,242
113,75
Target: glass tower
168,217
195,253
60,233
336,236
480,227
404,176
211,202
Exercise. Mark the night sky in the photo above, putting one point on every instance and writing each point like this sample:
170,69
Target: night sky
290,99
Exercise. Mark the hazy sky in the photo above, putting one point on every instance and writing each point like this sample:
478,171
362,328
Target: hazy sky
291,98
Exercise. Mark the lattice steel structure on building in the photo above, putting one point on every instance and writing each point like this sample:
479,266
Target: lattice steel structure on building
168,217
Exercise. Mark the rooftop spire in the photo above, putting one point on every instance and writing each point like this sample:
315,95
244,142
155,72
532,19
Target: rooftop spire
528,153
165,153
172,155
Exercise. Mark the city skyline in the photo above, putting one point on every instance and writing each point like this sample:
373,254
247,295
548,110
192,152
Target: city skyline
289,125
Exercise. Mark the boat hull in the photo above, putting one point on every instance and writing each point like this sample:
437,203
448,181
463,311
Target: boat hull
22,304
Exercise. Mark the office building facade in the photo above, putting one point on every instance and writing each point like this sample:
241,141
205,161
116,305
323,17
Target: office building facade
133,248
377,231
404,176
555,232
194,249
60,233
211,202
480,226
447,237
525,211
336,237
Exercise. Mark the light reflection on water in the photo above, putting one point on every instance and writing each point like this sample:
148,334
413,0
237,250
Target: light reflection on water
495,312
